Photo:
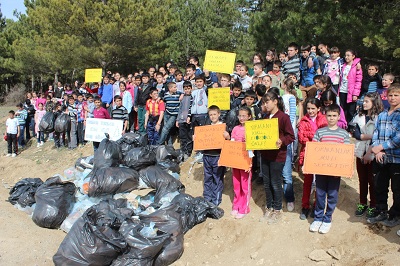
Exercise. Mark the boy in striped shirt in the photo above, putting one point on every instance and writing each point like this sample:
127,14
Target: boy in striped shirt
328,186
172,102
120,113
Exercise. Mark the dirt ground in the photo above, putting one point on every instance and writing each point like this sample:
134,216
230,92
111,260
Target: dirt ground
215,242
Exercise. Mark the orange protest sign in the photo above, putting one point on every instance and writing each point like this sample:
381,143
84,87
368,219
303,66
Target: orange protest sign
235,155
209,137
329,159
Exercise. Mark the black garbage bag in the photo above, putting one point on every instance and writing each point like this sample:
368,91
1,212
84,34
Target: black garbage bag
168,153
167,220
155,177
140,157
231,119
62,123
54,200
142,249
84,163
46,125
194,211
137,139
112,180
169,165
108,154
23,192
125,147
94,238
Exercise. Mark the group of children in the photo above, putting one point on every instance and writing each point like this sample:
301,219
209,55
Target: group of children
314,98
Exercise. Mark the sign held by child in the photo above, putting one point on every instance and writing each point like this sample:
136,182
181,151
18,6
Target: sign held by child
209,137
262,134
96,129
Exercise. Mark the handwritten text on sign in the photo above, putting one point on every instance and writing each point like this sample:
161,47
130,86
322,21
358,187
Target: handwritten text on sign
93,74
329,159
234,154
220,62
96,127
220,97
209,137
262,134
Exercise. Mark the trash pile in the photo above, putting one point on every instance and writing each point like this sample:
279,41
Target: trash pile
105,221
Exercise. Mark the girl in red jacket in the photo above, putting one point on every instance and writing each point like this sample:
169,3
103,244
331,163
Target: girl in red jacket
308,125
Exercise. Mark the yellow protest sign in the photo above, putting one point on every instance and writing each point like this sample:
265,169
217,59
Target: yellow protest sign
220,62
333,159
93,74
220,97
262,134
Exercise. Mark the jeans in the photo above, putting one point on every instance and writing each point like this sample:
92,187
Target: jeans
366,179
213,179
21,138
185,136
272,177
383,174
327,190
141,118
152,133
40,136
12,141
169,123
59,139
287,176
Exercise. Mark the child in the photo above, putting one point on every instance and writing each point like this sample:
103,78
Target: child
72,111
309,66
289,98
385,146
258,74
190,73
200,103
274,160
179,80
183,120
266,81
237,97
59,137
327,187
171,99
30,121
387,80
106,92
141,100
213,174
195,61
225,81
160,85
333,67
241,178
308,125
89,106
370,83
250,98
260,90
292,63
365,126
323,83
12,133
80,126
22,116
327,98
120,113
38,117
282,57
244,79
276,74
154,116
350,84
99,112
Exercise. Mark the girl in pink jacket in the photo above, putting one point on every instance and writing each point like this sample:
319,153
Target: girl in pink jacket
350,84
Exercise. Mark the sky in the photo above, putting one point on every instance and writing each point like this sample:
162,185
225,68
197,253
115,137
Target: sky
8,7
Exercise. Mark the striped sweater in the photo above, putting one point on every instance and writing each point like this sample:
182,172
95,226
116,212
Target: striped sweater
326,134
172,103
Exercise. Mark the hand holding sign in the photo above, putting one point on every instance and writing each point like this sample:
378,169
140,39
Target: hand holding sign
234,154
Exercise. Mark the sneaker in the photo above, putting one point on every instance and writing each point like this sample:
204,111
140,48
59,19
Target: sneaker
266,214
8,155
41,143
391,221
14,155
304,213
361,209
378,218
324,228
275,217
38,145
290,206
314,227
240,215
371,212
234,213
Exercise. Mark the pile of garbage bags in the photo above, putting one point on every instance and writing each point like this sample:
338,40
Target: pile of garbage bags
106,222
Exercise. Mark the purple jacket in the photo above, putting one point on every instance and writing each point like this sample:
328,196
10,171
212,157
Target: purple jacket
354,80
